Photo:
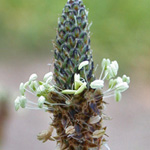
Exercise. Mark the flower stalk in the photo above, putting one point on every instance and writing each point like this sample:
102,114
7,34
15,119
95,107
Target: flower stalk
76,99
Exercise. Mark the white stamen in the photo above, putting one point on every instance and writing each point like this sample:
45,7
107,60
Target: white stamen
23,101
112,95
41,101
30,102
68,91
106,74
41,89
117,96
33,77
83,64
101,73
81,89
30,92
17,103
77,82
97,84
105,63
122,86
22,89
126,79
47,76
33,86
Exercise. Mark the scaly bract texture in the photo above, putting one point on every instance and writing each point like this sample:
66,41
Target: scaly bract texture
81,117
72,44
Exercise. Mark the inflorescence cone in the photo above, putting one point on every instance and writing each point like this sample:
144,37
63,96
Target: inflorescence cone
72,45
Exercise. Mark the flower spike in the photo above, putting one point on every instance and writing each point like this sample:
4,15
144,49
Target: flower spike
72,93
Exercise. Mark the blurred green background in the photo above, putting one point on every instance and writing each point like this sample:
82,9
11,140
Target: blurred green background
120,31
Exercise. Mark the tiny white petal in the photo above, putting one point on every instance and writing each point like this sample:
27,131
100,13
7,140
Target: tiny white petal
47,76
33,77
97,84
83,64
